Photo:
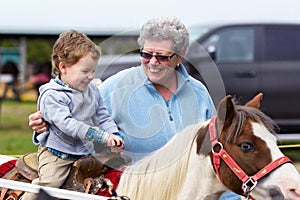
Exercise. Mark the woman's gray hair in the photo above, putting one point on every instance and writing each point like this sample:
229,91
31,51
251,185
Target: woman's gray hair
166,28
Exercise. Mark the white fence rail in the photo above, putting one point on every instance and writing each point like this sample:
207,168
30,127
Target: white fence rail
55,192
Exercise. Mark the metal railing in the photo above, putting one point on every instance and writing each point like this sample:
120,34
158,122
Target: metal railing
54,192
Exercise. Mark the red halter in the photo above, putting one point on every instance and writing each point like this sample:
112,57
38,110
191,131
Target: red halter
249,182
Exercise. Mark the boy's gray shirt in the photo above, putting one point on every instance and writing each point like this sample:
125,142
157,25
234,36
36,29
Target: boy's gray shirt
69,114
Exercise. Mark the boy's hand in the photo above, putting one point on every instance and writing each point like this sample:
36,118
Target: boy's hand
36,122
116,143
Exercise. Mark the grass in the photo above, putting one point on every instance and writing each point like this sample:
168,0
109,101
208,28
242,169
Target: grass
15,134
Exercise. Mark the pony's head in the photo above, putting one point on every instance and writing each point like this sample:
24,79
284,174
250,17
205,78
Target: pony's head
246,135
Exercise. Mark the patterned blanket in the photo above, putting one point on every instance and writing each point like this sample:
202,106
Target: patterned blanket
113,175
6,167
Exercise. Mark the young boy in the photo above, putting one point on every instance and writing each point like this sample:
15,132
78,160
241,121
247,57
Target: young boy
73,109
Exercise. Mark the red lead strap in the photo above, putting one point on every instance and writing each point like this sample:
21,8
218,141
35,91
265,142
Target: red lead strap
249,183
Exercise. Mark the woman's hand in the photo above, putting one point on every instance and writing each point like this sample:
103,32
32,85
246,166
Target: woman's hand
36,122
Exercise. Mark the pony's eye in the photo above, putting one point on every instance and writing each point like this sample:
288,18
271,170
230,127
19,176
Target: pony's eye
246,147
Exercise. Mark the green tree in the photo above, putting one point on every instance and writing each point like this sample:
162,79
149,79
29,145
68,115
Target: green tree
9,42
39,50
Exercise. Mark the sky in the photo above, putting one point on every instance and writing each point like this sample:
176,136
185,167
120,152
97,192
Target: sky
124,15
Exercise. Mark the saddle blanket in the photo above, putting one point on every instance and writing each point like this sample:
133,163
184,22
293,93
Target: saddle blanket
7,166
113,175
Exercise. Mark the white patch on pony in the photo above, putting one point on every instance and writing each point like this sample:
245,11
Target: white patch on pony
173,172
286,177
200,173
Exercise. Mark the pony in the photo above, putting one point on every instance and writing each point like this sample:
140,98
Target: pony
236,150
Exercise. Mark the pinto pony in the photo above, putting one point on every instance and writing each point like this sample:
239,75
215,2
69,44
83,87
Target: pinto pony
238,145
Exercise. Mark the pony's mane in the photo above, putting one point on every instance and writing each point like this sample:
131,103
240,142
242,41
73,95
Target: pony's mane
163,171
242,113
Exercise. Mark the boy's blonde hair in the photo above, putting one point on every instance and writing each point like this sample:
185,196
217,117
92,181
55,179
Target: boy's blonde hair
70,47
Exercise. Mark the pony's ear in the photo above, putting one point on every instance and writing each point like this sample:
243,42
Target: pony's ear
225,112
255,102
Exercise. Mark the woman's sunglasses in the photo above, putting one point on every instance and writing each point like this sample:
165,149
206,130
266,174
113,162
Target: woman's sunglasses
159,58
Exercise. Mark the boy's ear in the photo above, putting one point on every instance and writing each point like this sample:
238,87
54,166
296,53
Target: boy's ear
62,67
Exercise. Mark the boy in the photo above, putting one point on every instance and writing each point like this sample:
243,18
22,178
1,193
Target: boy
73,109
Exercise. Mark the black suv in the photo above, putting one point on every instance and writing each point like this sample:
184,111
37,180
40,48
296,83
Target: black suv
250,58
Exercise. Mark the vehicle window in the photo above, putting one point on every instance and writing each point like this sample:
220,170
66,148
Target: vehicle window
232,45
197,31
282,44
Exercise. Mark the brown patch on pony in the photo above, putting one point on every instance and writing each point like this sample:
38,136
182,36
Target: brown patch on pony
203,141
233,118
225,112
238,122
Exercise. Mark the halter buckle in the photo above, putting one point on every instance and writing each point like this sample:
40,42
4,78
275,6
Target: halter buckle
219,144
249,185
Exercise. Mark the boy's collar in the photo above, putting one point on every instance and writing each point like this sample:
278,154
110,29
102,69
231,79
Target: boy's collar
60,82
